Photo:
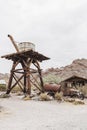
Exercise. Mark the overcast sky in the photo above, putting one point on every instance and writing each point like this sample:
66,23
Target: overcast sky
58,28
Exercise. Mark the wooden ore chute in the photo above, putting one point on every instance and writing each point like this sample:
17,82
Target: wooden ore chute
25,59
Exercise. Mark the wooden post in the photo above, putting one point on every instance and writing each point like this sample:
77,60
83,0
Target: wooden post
26,67
11,77
28,83
40,75
28,76
24,81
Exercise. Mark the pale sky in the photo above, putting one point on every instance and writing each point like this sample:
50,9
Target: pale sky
58,28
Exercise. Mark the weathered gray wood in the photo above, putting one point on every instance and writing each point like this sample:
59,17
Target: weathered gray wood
25,58
13,42
11,77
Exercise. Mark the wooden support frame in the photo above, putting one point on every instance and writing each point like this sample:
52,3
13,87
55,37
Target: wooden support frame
25,73
25,59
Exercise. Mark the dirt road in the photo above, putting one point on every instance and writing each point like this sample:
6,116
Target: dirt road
40,115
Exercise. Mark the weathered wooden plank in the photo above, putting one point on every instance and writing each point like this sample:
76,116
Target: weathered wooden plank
26,54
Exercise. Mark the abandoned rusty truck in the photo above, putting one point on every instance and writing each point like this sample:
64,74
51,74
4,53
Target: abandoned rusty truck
52,88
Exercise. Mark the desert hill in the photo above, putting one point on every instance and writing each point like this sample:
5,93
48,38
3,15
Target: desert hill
78,67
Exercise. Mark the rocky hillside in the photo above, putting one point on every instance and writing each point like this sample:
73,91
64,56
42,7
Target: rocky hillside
4,77
77,67
1,76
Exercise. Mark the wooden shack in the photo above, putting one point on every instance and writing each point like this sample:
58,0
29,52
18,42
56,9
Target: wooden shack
74,81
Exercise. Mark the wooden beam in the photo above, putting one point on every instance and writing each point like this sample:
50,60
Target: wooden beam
16,82
35,85
35,79
11,77
40,74
14,76
13,42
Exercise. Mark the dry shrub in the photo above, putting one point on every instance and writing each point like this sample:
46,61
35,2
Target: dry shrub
83,89
78,102
71,100
59,96
45,97
74,101
4,96
26,98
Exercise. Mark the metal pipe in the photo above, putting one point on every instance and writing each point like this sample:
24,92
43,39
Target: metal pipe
13,42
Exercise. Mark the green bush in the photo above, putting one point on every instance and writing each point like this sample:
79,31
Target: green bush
2,87
51,78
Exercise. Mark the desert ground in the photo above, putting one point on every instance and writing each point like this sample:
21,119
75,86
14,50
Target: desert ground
17,114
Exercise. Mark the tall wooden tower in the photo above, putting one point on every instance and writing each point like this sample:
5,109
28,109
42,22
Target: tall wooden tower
22,75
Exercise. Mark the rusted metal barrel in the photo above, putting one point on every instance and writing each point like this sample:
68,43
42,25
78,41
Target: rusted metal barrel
52,87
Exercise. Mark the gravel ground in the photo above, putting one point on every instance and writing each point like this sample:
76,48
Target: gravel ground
41,115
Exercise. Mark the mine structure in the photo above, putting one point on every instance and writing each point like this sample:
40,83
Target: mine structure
25,57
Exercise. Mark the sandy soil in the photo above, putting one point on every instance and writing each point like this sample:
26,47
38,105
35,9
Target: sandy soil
41,115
